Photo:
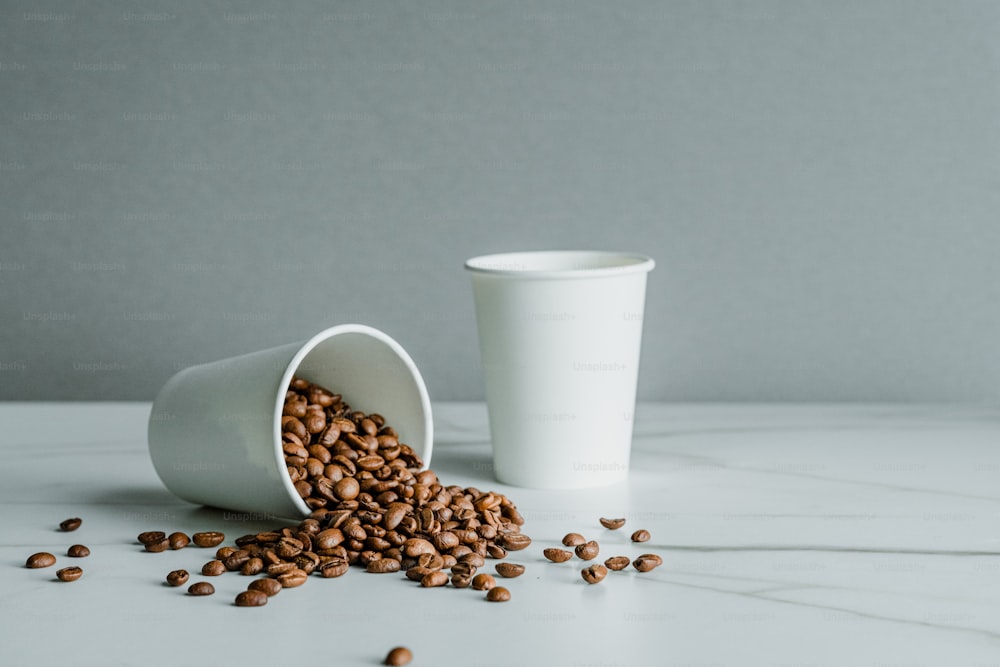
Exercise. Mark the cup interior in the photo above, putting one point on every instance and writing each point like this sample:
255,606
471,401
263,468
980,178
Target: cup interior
560,263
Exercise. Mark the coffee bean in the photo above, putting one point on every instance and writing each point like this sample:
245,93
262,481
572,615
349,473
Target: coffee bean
347,489
269,587
178,540
612,524
292,578
588,550
201,588
251,598
416,573
252,567
78,551
383,566
514,541
431,561
158,547
69,525
41,559
213,568
69,573
498,594
151,537
594,573
177,577
557,555
483,582
647,562
208,539
509,570
434,579
398,657
640,536
573,539
415,546
461,580
222,553
473,559
616,563
335,567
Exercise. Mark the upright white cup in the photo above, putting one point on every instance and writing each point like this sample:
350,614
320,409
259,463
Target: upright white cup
215,429
559,333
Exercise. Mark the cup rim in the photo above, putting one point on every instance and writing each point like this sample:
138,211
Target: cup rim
560,264
293,366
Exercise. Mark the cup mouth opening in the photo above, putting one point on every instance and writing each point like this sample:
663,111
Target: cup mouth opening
560,264
294,366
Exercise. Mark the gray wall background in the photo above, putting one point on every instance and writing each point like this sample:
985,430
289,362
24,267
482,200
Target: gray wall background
819,183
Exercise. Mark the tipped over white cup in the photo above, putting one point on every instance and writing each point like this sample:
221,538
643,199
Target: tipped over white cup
559,334
215,429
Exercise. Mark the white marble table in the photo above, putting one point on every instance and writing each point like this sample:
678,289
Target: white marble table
791,535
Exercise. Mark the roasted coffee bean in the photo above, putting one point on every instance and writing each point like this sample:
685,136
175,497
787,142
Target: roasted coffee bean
463,568
461,580
434,579
573,539
647,562
222,553
612,524
252,567
236,560
483,582
41,559
640,536
178,540
498,594
333,568
510,570
178,577
292,578
69,573
347,489
251,598
398,657
594,573
430,561
157,547
557,555
201,588
416,573
208,539
415,546
472,559
269,587
151,537
514,541
69,525
588,550
213,568
78,551
289,547
383,566
278,569
616,563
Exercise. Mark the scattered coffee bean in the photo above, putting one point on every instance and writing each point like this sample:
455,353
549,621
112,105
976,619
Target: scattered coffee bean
594,573
213,568
398,657
270,587
498,594
251,598
612,524
640,536
201,588
557,555
510,570
293,578
178,577
514,541
178,540
78,551
647,562
616,563
69,525
41,559
573,539
69,573
434,579
483,582
151,537
208,539
588,550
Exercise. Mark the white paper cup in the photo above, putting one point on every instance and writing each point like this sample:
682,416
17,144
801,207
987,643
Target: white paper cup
559,333
215,429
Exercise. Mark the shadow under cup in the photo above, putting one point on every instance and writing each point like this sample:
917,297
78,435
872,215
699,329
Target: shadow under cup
215,429
559,334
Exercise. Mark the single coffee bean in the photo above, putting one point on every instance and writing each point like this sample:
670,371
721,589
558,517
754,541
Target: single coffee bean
498,594
178,540
461,580
209,538
573,539
640,536
201,588
41,559
483,582
398,657
70,573
646,562
473,559
347,489
616,563
236,560
514,541
252,567
431,561
213,568
415,546
510,570
78,551
612,524
69,525
222,553
588,551
251,598
434,579
151,537
158,547
557,555
293,578
269,587
594,573
177,577
336,567
383,566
